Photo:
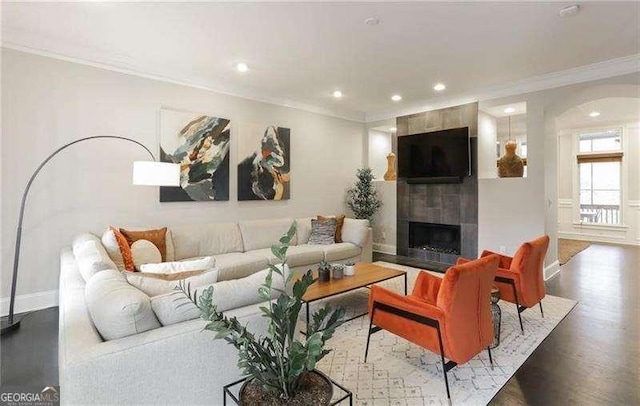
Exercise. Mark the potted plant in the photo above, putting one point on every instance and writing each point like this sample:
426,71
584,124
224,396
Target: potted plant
338,271
280,367
349,268
362,198
324,271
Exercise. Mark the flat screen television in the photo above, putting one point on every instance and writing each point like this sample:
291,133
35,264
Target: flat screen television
439,154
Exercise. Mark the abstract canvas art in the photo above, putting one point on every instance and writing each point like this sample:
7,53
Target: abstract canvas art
200,144
264,171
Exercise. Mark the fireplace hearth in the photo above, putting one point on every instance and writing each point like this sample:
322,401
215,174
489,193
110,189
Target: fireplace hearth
437,238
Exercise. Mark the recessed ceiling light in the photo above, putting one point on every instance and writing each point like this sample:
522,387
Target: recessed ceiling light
439,87
372,21
396,97
594,114
393,129
510,110
569,10
337,94
242,67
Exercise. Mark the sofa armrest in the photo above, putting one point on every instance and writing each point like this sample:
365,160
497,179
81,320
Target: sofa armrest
355,231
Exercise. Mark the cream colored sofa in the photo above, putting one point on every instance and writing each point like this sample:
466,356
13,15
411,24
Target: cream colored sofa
179,363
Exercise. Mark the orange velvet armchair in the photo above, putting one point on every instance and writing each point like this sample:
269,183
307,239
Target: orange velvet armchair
449,316
521,278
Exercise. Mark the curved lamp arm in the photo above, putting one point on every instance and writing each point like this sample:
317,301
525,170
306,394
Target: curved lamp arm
10,325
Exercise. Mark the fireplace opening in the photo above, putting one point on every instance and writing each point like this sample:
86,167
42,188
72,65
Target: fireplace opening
441,238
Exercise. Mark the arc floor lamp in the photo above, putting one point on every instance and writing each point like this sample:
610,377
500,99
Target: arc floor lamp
149,173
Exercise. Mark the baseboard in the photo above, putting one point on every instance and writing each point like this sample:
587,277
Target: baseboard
596,238
551,270
384,248
30,302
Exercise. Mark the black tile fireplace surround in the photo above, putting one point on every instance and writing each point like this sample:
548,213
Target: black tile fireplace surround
441,238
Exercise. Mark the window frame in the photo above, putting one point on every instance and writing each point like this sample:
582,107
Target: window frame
594,157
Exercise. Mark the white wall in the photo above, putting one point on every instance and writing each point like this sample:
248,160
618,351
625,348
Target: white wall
380,145
47,103
487,138
386,221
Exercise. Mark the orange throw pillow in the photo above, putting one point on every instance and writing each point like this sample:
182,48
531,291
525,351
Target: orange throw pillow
156,237
339,224
125,250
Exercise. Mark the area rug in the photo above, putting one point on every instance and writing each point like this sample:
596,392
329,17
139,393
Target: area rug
567,249
398,372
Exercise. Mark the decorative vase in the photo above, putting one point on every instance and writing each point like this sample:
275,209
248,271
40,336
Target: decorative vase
349,270
324,275
391,171
338,272
315,389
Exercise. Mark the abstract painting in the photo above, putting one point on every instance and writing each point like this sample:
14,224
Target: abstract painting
264,171
200,144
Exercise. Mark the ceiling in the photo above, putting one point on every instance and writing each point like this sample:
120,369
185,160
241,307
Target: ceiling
611,109
299,53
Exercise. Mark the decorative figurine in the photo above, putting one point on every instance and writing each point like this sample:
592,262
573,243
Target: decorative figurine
391,165
510,165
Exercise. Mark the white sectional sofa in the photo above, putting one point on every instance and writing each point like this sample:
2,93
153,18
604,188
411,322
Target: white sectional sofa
179,363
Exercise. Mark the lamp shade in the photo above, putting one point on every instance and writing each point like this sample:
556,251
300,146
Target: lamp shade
150,173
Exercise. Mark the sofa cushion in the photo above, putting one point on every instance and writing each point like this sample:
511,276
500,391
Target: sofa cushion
227,295
299,255
355,231
91,255
239,265
110,243
157,284
303,229
117,308
340,251
264,233
195,264
206,239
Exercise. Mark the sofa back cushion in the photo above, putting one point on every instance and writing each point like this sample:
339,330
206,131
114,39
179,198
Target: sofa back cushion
206,239
117,308
158,284
303,229
259,234
91,255
227,295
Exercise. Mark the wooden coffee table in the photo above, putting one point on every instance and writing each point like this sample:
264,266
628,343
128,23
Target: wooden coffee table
365,274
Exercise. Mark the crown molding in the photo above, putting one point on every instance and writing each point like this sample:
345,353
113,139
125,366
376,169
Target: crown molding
350,115
599,70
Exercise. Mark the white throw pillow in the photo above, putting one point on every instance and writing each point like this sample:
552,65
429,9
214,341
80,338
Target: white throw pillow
117,308
154,286
144,252
113,250
227,295
198,264
90,256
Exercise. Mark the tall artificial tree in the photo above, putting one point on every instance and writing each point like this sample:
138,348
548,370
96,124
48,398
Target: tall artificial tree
362,198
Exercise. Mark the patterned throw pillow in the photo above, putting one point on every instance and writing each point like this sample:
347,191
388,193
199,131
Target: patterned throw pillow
323,232
339,224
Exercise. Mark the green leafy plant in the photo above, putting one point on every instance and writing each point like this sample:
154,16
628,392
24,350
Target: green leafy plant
324,266
362,198
279,360
338,267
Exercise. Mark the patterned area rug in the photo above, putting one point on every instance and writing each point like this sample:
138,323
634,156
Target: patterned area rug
400,373
567,249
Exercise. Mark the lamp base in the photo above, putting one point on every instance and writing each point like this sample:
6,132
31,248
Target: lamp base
8,328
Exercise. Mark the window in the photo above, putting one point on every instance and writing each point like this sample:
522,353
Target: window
600,166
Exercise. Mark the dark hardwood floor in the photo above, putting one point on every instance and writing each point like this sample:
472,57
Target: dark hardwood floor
592,357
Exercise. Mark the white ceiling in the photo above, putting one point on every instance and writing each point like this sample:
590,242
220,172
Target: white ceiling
299,53
612,110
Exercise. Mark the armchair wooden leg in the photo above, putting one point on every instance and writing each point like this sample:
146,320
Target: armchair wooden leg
541,311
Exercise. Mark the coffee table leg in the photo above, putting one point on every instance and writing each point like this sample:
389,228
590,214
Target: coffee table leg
405,284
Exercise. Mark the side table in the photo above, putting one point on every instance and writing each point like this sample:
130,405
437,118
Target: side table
496,314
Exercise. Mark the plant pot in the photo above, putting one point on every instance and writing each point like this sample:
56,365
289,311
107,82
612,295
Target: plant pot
338,273
315,389
349,270
324,275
